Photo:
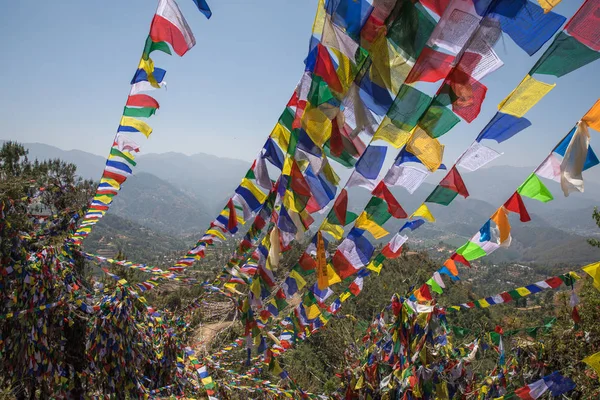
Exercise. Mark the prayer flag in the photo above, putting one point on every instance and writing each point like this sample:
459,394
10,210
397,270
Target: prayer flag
516,205
424,212
593,270
170,26
203,7
428,150
594,362
529,92
502,127
565,55
584,25
454,182
322,280
592,117
394,207
535,189
136,125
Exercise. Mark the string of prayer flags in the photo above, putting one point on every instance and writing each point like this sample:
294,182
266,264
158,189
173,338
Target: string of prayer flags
520,292
168,27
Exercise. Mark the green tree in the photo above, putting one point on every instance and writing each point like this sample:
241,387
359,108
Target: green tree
596,216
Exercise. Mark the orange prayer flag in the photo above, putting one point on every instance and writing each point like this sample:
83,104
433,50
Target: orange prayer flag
322,280
592,117
500,217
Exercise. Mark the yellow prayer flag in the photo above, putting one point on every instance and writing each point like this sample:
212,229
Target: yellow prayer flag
524,96
374,267
344,70
111,182
427,149
216,233
594,362
300,282
345,296
363,222
319,20
313,311
337,231
523,291
388,69
360,383
391,133
593,270
548,5
424,212
103,198
281,136
248,184
329,173
137,124
592,117
255,288
317,125
148,66
332,276
483,303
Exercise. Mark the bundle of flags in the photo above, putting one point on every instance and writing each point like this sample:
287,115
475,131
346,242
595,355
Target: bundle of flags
168,30
555,383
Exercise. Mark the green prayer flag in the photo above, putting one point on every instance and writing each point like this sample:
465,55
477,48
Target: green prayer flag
471,251
151,46
287,118
345,158
566,54
142,112
411,29
377,211
434,286
534,188
291,150
408,107
319,92
438,120
514,294
441,195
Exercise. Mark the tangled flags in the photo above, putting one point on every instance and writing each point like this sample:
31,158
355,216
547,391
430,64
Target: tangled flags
168,28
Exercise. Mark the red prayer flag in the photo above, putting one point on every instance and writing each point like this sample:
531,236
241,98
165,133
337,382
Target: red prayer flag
342,266
454,182
297,182
506,297
336,144
340,207
516,205
142,100
554,282
460,259
423,294
394,208
437,6
307,262
575,315
232,222
388,253
325,69
431,66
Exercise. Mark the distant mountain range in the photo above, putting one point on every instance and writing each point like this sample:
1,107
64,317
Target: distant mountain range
176,194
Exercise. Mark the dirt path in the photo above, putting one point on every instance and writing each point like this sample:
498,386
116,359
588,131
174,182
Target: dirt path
205,334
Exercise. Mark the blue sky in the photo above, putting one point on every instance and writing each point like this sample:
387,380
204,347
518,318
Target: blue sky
68,64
